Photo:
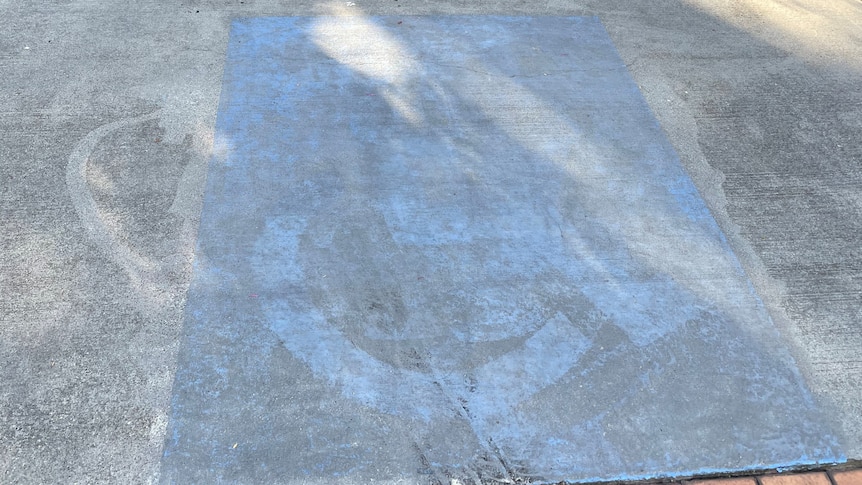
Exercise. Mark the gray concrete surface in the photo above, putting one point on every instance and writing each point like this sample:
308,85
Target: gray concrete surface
108,116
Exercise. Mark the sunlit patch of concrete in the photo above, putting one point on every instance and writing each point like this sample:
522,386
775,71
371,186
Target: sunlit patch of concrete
823,32
357,42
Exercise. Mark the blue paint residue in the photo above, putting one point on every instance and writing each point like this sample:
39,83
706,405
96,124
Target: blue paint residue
537,245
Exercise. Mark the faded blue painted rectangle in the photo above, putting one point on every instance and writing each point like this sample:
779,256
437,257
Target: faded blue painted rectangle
461,247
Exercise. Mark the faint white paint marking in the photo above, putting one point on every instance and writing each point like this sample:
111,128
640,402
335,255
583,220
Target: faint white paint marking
102,231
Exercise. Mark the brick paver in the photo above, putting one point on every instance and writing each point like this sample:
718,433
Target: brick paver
847,477
835,476
817,478
726,481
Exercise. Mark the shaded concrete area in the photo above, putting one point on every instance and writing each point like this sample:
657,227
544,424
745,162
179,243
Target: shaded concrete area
758,98
440,248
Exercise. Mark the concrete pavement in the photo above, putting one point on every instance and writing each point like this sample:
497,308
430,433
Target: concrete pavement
592,256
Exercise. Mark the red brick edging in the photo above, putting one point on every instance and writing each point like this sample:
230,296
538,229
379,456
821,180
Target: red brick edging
828,477
849,473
